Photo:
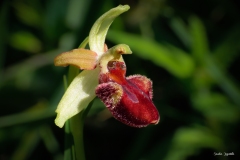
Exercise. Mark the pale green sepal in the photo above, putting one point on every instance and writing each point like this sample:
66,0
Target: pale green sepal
99,29
78,95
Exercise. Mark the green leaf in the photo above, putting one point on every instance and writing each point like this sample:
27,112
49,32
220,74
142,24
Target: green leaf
173,59
188,141
181,31
50,141
228,49
25,41
76,13
28,14
37,112
199,39
223,80
26,146
216,106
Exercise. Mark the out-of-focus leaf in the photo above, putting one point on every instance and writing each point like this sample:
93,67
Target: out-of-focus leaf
53,18
216,106
187,141
197,137
76,13
25,41
50,142
199,39
38,112
26,146
202,79
181,31
229,48
173,59
223,80
22,69
27,14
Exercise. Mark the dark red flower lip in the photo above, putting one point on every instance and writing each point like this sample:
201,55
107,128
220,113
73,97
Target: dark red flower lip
129,99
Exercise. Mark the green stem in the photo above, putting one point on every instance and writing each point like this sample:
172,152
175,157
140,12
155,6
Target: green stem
68,142
72,73
76,126
74,145
84,43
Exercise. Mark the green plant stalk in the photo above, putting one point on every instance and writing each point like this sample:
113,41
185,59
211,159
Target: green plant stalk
76,128
68,142
74,144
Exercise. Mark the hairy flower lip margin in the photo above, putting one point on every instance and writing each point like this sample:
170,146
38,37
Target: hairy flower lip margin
128,99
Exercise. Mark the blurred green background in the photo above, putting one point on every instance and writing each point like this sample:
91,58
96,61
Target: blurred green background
190,50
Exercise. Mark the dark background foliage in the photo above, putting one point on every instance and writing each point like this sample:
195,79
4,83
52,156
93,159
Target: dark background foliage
190,50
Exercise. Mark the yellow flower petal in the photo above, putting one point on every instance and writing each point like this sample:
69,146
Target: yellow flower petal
81,58
78,95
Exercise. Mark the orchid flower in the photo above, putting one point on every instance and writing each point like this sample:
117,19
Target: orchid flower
128,99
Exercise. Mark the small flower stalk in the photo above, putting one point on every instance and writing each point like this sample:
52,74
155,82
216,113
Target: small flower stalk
129,99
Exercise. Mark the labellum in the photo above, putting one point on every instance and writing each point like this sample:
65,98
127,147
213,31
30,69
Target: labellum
129,99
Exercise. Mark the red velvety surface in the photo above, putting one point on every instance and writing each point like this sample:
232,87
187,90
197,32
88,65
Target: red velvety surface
134,107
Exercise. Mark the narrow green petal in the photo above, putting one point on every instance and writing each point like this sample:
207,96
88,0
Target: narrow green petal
99,30
78,95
